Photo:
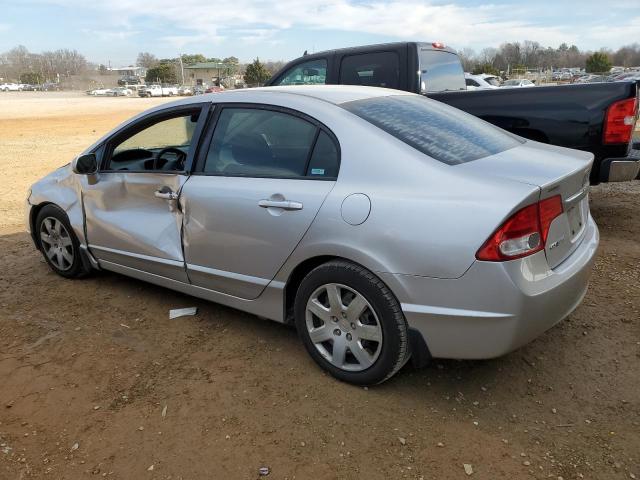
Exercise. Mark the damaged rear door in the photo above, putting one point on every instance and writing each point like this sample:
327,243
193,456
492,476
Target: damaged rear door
131,209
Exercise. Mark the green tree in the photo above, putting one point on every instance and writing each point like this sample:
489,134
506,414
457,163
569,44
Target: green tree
256,73
31,78
598,62
163,73
485,68
191,59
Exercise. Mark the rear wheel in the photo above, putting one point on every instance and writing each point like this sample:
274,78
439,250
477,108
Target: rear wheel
351,324
58,243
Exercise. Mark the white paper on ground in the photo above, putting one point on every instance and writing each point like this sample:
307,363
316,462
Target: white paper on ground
182,312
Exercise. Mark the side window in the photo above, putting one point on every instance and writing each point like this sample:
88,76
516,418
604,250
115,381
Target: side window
471,83
313,72
162,146
371,69
267,143
324,159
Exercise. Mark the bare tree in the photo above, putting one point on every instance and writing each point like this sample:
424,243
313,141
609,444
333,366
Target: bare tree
146,60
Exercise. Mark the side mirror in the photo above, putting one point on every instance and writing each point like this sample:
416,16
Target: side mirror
85,164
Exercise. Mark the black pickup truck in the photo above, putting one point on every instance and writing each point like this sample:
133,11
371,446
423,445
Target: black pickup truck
597,117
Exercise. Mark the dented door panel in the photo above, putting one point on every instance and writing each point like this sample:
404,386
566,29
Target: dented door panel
128,225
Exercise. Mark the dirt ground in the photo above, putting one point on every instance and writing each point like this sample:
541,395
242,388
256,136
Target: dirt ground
95,380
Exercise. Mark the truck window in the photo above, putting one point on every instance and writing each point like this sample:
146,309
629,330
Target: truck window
313,72
443,133
440,71
380,69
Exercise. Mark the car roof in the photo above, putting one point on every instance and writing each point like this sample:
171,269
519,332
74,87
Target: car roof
336,94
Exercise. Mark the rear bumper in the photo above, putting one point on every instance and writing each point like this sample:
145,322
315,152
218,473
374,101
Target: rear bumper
621,169
495,308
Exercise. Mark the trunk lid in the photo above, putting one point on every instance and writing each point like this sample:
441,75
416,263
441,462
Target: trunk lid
556,171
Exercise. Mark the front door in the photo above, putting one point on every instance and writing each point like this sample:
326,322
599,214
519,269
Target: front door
132,213
266,174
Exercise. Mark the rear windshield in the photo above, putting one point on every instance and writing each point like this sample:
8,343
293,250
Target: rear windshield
440,72
433,128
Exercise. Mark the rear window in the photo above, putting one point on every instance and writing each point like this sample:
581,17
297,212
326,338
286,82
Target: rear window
440,71
444,133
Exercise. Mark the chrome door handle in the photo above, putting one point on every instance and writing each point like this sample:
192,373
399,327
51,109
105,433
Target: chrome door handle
284,204
166,195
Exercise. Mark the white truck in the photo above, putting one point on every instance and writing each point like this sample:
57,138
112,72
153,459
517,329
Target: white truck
158,91
10,87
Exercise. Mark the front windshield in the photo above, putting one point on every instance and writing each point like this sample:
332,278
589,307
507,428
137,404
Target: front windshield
440,71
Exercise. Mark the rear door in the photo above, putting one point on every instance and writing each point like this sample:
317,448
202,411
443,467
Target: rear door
259,184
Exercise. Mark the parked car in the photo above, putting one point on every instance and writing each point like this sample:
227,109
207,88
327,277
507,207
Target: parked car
593,79
129,80
481,82
185,90
517,83
291,210
99,92
629,77
120,92
199,90
214,89
158,91
598,118
50,87
10,87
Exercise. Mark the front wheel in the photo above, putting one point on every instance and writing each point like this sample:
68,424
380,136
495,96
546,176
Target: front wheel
351,324
59,244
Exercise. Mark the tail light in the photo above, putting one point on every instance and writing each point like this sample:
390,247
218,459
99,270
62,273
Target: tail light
620,121
522,234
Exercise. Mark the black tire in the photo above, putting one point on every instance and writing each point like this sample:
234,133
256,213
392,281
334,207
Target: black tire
394,351
74,269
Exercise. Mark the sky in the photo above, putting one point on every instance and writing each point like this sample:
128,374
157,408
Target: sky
114,31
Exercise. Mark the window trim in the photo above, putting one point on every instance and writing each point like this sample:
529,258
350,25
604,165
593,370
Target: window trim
279,78
153,118
207,138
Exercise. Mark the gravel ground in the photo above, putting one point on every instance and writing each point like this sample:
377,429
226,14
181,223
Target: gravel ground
97,381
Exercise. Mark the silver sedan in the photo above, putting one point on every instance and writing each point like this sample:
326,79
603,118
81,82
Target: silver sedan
383,225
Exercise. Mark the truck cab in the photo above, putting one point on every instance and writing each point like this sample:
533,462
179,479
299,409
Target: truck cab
597,118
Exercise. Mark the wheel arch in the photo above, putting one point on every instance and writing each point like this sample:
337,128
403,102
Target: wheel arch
33,215
303,268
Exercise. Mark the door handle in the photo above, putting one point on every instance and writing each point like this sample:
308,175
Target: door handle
166,195
284,204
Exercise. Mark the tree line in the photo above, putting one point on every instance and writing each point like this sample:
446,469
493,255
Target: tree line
19,63
529,54
28,67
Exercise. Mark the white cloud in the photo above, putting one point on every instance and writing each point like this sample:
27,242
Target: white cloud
4,27
454,23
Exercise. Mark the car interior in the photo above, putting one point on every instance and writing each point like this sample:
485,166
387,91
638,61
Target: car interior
260,143
163,146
